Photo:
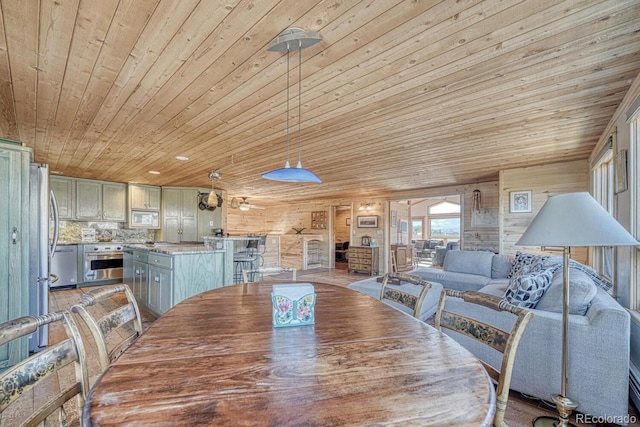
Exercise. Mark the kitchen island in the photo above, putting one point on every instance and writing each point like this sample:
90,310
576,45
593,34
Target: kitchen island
162,275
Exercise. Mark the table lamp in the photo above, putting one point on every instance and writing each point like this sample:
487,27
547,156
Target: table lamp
565,220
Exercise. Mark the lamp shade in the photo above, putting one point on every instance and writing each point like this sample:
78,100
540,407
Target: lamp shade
575,219
289,174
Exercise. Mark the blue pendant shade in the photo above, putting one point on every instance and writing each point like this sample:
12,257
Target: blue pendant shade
289,174
293,39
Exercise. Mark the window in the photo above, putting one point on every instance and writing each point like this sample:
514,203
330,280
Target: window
417,225
602,181
444,228
444,221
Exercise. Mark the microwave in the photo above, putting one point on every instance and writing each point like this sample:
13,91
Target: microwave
145,219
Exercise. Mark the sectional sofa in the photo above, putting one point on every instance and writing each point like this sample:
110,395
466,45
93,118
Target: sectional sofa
598,369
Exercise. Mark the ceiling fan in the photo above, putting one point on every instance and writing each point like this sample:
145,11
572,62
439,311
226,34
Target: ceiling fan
243,205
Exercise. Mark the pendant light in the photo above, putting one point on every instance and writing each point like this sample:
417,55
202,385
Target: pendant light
212,200
293,39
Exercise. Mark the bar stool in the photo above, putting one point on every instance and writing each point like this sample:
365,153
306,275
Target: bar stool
245,259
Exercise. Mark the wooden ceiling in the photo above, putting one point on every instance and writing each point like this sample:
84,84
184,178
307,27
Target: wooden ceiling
398,95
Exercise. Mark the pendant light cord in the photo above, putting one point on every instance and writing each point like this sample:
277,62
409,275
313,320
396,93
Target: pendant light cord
288,52
299,100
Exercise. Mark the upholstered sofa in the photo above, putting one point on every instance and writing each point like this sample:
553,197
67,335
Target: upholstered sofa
427,248
598,368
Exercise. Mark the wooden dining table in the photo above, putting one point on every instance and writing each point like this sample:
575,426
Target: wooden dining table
216,359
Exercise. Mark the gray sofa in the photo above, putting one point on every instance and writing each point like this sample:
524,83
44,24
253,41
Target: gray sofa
598,368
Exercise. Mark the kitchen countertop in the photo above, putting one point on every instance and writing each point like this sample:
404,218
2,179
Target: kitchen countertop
170,249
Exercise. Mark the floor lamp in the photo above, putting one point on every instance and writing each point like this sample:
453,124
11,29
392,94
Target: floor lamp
565,220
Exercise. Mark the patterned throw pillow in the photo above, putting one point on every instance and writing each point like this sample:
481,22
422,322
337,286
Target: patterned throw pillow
525,290
526,263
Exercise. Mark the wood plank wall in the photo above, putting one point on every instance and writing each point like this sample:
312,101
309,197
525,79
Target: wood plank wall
476,236
543,181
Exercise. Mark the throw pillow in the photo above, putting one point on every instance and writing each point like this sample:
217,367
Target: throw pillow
556,261
500,267
526,263
582,290
527,289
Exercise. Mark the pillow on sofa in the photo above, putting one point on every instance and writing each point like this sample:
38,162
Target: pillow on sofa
526,263
470,262
526,290
500,267
593,274
582,290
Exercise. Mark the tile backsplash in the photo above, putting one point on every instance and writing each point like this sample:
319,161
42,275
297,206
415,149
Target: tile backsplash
71,232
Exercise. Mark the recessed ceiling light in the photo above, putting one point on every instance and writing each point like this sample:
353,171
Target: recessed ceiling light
182,158
154,172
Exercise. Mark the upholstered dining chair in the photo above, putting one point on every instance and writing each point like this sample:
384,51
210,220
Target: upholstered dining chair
394,293
505,342
114,329
257,274
39,371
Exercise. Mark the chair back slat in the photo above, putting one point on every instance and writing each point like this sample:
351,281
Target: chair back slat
116,318
409,300
494,337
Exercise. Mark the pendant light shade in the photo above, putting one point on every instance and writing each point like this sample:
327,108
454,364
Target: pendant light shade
293,39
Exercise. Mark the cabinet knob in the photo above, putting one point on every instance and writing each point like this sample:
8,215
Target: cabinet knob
14,235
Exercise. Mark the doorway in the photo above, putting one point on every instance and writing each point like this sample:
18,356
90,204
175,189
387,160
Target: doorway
341,233
436,220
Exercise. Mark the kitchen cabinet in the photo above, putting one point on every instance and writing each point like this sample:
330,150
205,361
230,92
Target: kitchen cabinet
160,284
139,273
64,190
14,243
144,197
180,222
162,280
101,201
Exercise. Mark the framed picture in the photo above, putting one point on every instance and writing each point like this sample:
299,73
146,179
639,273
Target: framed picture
368,221
520,201
622,172
348,221
366,241
404,226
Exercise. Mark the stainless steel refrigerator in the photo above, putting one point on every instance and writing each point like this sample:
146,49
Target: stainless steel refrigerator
43,238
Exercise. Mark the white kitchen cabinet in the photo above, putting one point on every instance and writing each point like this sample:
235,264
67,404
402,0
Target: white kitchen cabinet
160,283
64,189
101,201
144,197
180,223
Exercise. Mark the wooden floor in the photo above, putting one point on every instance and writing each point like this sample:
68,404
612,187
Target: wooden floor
520,411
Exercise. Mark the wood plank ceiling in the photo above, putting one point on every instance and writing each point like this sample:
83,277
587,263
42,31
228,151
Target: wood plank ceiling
398,95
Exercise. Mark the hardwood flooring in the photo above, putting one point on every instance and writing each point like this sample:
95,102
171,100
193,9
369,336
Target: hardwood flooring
520,411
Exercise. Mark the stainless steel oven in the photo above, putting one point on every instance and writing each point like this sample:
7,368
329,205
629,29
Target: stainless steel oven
102,261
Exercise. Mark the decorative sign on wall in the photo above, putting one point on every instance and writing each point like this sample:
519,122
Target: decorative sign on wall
318,220
484,217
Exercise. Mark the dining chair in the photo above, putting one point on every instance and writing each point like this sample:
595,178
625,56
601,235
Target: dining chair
412,300
113,329
39,372
505,342
259,272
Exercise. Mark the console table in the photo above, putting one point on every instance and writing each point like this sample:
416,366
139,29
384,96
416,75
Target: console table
216,359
